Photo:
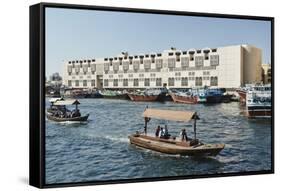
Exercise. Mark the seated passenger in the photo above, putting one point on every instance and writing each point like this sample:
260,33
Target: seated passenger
157,131
183,135
166,133
78,113
162,133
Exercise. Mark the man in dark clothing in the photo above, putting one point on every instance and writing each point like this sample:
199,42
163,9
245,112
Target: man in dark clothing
183,135
157,131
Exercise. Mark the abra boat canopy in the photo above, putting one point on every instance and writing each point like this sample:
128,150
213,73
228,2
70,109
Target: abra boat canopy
180,116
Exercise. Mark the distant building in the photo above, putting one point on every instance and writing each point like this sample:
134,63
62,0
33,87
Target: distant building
266,73
55,79
229,67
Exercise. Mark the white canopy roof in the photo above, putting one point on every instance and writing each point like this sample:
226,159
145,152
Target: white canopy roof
66,102
183,116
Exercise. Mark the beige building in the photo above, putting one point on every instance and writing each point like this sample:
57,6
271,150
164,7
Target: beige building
266,73
229,67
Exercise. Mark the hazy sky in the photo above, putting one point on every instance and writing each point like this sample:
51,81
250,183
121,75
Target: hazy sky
78,34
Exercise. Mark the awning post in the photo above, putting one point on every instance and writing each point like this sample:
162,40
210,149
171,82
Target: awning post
146,120
194,125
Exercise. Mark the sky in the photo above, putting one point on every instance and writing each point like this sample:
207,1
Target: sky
73,34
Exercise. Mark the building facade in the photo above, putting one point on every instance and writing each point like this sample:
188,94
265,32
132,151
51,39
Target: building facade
228,67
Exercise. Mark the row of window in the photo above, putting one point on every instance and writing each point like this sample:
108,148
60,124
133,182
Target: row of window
199,62
214,61
191,53
171,81
154,75
85,83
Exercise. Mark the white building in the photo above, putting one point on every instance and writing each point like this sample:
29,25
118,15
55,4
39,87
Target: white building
229,67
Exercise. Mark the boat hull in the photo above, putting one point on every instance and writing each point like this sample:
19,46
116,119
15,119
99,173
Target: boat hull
214,99
259,111
242,94
74,119
123,96
134,97
184,99
174,147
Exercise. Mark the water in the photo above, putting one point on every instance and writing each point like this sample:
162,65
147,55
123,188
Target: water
100,149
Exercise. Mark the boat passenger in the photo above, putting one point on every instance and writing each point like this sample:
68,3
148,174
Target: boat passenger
183,135
162,133
157,131
166,133
75,113
78,113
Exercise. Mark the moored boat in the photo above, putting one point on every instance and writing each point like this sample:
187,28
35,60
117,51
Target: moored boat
109,94
70,119
258,101
142,97
59,113
242,92
182,97
149,95
173,145
215,95
78,93
200,93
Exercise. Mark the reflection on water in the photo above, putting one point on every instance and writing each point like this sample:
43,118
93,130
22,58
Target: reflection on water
100,149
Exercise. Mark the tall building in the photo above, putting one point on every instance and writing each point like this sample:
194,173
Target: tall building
229,67
266,73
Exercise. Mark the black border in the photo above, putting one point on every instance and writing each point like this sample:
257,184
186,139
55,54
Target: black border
37,93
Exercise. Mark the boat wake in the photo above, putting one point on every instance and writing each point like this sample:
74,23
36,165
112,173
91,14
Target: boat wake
159,154
118,139
68,122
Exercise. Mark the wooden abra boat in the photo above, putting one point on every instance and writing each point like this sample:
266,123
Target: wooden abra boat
189,99
136,97
171,146
174,145
59,119
59,113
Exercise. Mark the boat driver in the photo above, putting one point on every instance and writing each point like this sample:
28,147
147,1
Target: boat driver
183,135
